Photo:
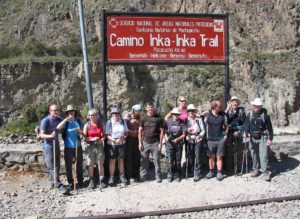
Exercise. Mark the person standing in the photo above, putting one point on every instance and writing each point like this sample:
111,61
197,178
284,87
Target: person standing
234,143
176,132
195,134
151,134
132,155
49,135
93,133
216,133
182,103
259,126
116,131
71,128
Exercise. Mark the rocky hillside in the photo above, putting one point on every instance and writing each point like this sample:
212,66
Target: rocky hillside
40,55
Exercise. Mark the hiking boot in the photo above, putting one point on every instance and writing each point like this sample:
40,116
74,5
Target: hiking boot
111,181
177,179
92,183
219,177
136,179
267,176
255,173
158,179
197,178
209,175
170,178
102,184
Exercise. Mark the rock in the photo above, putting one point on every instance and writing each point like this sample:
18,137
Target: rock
17,167
16,157
283,156
3,155
31,158
1,166
30,141
13,194
8,164
27,168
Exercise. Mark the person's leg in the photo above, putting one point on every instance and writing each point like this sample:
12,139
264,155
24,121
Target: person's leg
263,155
178,150
156,157
136,158
254,149
171,160
79,166
197,166
144,161
68,155
57,161
129,158
48,159
229,154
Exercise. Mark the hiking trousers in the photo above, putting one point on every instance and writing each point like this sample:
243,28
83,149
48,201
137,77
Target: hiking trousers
150,148
132,158
259,154
174,152
233,147
194,157
69,154
49,161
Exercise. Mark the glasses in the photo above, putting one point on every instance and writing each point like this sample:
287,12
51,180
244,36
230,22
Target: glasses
182,100
191,111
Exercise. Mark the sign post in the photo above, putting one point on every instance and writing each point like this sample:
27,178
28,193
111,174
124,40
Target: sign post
164,38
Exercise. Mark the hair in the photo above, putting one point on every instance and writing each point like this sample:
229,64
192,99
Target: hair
214,103
52,105
181,97
93,111
149,104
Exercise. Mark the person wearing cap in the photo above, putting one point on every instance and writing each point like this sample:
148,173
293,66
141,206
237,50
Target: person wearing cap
176,132
216,133
116,131
71,127
195,133
234,143
258,124
151,134
49,134
133,155
182,103
93,136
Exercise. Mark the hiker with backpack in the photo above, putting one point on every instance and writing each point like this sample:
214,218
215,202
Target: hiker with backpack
93,134
133,155
176,132
258,125
51,150
216,132
195,134
116,131
71,128
234,143
151,134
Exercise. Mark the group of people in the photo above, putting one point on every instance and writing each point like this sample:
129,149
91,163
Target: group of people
125,142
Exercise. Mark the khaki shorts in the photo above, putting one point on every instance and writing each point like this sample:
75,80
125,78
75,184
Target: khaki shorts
94,153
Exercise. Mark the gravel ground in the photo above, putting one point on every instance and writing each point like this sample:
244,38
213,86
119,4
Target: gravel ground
28,195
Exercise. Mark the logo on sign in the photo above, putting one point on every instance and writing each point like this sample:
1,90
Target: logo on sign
113,23
218,25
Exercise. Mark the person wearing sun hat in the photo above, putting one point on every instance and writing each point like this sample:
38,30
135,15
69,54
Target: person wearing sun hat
176,132
133,155
71,128
234,143
259,126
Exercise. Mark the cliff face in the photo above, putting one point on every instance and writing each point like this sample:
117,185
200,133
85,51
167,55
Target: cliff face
264,57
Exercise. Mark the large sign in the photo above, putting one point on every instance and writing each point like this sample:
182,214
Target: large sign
165,38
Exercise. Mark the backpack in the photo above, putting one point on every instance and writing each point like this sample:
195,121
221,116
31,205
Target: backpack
257,134
175,130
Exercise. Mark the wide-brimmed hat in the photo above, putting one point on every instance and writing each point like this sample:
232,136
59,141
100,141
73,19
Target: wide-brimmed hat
191,107
70,107
257,102
234,98
115,111
137,107
176,111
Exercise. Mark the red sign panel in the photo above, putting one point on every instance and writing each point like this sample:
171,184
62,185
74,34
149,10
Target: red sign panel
185,39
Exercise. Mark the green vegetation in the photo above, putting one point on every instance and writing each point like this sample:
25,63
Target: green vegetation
166,107
30,116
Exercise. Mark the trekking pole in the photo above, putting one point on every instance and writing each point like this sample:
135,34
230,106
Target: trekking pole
187,160
54,165
75,172
100,181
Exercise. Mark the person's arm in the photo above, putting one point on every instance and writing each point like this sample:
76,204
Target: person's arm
269,127
43,130
140,134
202,133
176,140
168,116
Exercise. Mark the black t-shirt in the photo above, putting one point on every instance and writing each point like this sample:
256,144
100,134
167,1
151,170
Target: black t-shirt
151,128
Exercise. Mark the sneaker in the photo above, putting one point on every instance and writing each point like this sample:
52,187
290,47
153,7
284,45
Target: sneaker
111,181
158,179
92,183
255,173
219,177
267,176
102,184
170,178
209,175
123,179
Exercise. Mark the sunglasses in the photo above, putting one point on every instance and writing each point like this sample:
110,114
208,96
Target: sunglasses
182,100
191,111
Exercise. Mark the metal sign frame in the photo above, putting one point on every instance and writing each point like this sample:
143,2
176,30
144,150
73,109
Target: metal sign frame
105,61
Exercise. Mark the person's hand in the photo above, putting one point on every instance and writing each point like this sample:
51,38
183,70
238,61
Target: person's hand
53,134
118,141
141,147
187,137
159,146
269,143
77,130
236,134
228,106
69,118
199,137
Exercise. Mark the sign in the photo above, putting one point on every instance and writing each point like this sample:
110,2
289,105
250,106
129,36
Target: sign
144,38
